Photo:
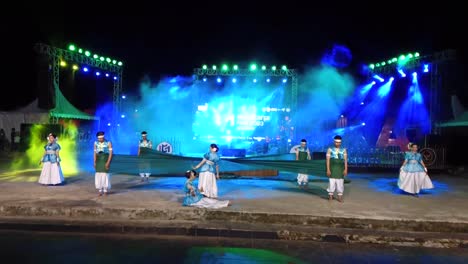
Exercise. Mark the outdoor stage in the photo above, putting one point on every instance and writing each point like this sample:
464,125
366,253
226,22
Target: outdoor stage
374,210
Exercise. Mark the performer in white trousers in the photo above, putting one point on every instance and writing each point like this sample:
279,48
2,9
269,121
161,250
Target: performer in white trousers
337,169
209,166
303,153
143,147
102,160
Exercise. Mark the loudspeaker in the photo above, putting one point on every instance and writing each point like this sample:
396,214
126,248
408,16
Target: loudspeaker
319,155
239,153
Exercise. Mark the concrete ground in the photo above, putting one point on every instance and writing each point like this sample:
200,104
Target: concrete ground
374,210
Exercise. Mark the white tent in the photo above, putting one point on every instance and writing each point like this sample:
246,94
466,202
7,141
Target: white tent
30,114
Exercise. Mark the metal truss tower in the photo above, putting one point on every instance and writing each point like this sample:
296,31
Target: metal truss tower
55,55
290,73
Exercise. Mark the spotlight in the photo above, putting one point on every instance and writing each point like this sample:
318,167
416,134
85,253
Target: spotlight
85,69
108,124
115,77
107,75
426,68
234,80
362,103
285,80
402,73
122,116
123,96
98,73
363,124
218,80
254,80
268,80
379,78
204,79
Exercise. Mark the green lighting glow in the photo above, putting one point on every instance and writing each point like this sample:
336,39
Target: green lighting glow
72,47
235,67
87,53
225,67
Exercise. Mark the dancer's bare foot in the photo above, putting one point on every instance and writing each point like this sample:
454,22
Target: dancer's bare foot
100,194
340,198
330,197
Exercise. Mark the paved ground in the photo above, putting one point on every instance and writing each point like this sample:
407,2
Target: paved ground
372,203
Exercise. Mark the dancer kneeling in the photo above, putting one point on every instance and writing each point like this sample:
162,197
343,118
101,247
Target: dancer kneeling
195,199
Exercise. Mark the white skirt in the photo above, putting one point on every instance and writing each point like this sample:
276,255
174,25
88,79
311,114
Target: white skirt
102,181
207,184
51,174
210,203
414,182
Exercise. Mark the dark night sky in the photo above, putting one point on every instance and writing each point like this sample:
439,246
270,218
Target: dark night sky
172,38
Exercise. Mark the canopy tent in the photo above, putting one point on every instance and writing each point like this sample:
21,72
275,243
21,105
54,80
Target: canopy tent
461,121
64,109
30,114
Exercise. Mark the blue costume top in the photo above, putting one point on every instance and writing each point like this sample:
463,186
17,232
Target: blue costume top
210,165
101,147
337,153
189,199
413,162
51,150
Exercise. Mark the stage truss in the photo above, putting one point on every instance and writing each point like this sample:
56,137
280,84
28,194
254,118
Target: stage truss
436,63
290,73
56,55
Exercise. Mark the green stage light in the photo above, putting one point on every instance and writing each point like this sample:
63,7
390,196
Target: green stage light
204,67
102,58
214,67
402,57
383,63
416,54
377,65
284,68
253,67
389,62
273,68
80,50
114,62
71,47
225,67
95,56
410,56
372,66
394,59
87,53
108,60
235,67
263,68
119,63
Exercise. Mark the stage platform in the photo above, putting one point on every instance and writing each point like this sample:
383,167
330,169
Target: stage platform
374,210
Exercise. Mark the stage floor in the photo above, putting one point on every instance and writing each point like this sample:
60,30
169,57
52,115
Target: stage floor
372,203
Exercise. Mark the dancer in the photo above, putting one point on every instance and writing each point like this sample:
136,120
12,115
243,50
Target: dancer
102,161
413,173
51,171
303,153
209,166
195,199
143,147
337,169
